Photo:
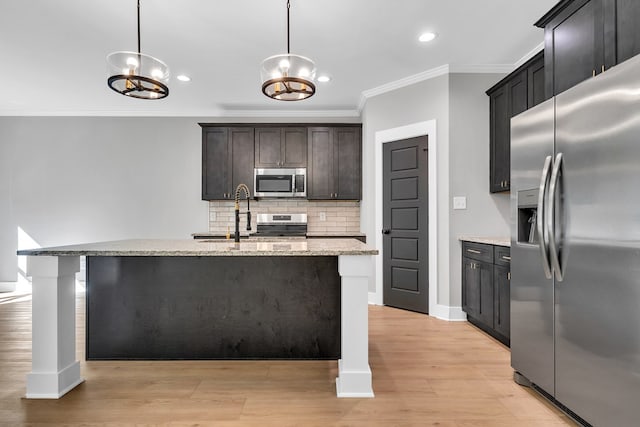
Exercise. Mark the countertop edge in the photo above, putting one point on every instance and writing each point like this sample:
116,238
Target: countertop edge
199,248
495,241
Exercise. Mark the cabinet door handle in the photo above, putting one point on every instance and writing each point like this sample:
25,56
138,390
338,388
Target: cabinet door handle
473,251
509,276
594,73
386,231
603,68
507,258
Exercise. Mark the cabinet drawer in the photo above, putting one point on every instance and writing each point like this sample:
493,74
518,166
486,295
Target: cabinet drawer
477,251
502,255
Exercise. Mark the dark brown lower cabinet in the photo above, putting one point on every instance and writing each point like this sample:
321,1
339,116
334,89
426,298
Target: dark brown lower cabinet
502,300
478,284
485,288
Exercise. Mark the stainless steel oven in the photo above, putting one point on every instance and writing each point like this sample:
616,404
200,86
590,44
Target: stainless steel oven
280,182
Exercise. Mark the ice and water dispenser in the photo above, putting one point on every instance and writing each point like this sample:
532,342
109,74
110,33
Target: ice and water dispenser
527,216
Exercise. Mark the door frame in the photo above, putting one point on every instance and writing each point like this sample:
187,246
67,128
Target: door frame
427,128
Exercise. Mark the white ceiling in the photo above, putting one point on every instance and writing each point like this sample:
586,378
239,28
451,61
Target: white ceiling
52,53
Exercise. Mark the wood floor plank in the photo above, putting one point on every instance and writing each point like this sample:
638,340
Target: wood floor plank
426,372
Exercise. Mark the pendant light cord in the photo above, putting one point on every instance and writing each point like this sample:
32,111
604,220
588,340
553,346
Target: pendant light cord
288,42
139,27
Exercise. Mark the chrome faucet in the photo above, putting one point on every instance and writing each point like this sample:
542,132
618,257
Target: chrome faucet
242,187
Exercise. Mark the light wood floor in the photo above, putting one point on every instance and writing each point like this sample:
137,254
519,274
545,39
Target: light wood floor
426,372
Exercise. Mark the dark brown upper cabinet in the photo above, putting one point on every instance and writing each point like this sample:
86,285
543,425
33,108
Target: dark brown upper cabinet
216,159
227,160
231,151
334,166
584,38
281,147
519,91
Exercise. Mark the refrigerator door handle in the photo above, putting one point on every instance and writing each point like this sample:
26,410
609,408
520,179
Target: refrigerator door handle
542,235
553,246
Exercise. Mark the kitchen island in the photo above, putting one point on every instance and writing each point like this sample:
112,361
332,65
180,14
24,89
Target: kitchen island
199,299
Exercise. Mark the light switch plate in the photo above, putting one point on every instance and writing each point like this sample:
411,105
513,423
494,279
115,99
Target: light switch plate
460,202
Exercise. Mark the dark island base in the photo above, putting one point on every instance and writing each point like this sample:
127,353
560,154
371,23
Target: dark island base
168,308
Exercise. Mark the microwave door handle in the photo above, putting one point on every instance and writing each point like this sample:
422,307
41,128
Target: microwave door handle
553,245
540,223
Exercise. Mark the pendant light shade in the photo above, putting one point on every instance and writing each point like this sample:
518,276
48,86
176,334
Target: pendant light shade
288,77
137,75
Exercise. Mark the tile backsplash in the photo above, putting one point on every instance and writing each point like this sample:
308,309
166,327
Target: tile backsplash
339,216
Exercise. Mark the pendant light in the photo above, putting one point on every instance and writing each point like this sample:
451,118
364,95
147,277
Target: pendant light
288,77
137,75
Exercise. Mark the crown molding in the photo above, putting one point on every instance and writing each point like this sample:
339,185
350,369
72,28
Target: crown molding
406,81
290,113
432,73
533,52
482,68
192,113
102,113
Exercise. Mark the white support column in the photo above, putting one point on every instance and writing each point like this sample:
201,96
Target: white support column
54,370
354,374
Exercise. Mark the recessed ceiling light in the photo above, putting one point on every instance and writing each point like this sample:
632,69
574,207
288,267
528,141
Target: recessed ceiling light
427,37
324,79
183,78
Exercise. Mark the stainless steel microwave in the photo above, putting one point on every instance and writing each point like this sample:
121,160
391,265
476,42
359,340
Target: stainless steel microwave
280,182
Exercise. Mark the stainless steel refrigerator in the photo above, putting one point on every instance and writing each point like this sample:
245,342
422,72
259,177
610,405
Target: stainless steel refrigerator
575,247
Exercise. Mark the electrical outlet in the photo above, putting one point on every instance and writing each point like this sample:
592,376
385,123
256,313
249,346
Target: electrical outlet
213,217
323,216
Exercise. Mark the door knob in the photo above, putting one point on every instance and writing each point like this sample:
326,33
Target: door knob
386,231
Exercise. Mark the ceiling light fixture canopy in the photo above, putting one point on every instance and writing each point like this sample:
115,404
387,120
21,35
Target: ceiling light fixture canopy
137,75
288,77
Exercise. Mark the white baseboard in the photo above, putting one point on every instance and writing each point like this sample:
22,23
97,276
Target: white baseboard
444,312
450,313
374,299
8,286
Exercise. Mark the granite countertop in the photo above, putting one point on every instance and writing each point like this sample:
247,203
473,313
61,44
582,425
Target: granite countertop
203,247
497,241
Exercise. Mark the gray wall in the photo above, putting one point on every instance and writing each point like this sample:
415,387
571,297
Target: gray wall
90,179
419,102
486,214
67,180
460,107
8,233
